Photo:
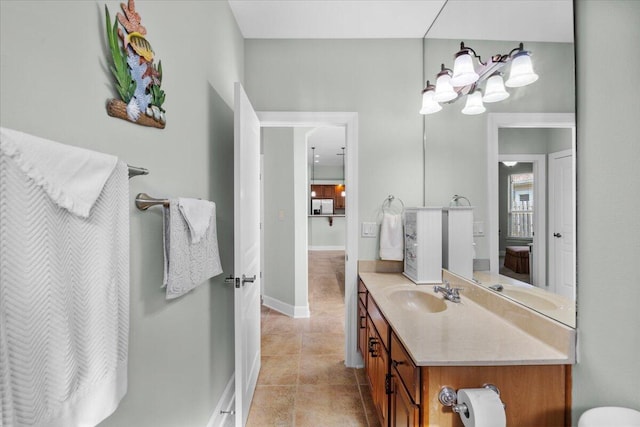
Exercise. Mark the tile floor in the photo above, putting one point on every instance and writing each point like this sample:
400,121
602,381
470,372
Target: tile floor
303,381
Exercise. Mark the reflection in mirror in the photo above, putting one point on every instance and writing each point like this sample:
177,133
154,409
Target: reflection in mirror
462,152
326,171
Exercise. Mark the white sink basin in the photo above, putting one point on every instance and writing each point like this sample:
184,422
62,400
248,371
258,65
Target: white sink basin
417,301
607,416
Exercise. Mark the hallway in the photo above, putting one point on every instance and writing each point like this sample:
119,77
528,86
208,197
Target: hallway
303,381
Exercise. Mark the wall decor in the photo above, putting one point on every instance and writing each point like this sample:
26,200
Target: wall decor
137,78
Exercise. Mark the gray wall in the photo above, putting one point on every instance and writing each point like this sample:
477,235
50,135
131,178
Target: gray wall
607,152
322,234
55,83
533,140
456,142
279,220
378,79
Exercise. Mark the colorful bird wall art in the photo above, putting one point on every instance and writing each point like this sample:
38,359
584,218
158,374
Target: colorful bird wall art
137,79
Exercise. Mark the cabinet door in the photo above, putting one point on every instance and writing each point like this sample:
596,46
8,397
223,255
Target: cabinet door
404,413
339,198
362,330
382,404
376,368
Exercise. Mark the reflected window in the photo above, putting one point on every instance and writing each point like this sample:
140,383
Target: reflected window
520,207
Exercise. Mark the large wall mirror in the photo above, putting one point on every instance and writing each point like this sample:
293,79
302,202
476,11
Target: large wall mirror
524,212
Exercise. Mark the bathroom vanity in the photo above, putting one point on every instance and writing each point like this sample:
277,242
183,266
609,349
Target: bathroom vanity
414,343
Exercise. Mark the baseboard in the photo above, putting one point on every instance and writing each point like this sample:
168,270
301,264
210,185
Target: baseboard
223,413
326,248
295,311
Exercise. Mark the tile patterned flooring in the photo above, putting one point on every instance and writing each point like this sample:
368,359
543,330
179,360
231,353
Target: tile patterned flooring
303,381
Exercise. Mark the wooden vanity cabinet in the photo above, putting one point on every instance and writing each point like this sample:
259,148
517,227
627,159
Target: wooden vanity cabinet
407,395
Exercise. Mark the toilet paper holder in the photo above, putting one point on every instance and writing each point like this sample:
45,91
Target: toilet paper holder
448,397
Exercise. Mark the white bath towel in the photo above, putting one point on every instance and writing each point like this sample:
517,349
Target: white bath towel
391,237
73,177
198,214
64,299
186,264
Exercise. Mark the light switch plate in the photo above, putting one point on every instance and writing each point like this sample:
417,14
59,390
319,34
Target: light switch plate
369,229
478,228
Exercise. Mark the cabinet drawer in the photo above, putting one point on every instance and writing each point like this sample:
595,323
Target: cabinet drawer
407,370
379,321
362,293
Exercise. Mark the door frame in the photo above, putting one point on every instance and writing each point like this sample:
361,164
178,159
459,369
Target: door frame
350,121
495,121
539,161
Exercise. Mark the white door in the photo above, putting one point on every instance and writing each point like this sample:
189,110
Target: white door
561,227
246,252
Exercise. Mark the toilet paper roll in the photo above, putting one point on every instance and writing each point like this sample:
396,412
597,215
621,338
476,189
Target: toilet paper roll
484,408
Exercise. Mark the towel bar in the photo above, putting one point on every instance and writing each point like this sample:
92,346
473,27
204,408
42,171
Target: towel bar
135,171
144,201
389,200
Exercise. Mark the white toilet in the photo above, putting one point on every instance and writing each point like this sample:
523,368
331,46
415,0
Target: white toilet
610,416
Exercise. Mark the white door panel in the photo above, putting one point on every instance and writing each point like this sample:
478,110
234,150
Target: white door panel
246,252
562,224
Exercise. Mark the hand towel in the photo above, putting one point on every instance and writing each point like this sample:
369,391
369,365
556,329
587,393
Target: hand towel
391,237
64,305
73,177
197,214
186,264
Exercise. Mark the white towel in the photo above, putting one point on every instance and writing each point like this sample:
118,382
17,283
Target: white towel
64,302
73,177
198,214
186,264
391,237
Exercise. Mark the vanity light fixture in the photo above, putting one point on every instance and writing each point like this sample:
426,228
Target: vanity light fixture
474,104
466,78
509,163
429,105
313,169
444,89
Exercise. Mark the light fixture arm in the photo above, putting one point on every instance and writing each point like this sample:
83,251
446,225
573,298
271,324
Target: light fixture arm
469,49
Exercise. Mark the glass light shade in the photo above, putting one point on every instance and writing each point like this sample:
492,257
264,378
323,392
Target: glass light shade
474,104
444,89
344,193
429,106
495,91
463,72
509,163
521,70
313,194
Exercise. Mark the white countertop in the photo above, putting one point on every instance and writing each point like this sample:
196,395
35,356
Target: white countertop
468,333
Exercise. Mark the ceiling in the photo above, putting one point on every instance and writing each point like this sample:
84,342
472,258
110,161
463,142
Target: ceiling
522,20
513,20
328,142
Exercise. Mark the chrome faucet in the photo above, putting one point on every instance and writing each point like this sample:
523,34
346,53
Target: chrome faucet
451,294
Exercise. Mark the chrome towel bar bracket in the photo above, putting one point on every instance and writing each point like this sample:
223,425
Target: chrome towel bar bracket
144,201
135,171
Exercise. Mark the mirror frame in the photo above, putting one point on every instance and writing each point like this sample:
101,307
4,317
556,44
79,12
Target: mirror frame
495,121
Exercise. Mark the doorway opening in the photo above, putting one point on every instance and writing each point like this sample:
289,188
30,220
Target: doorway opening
349,122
